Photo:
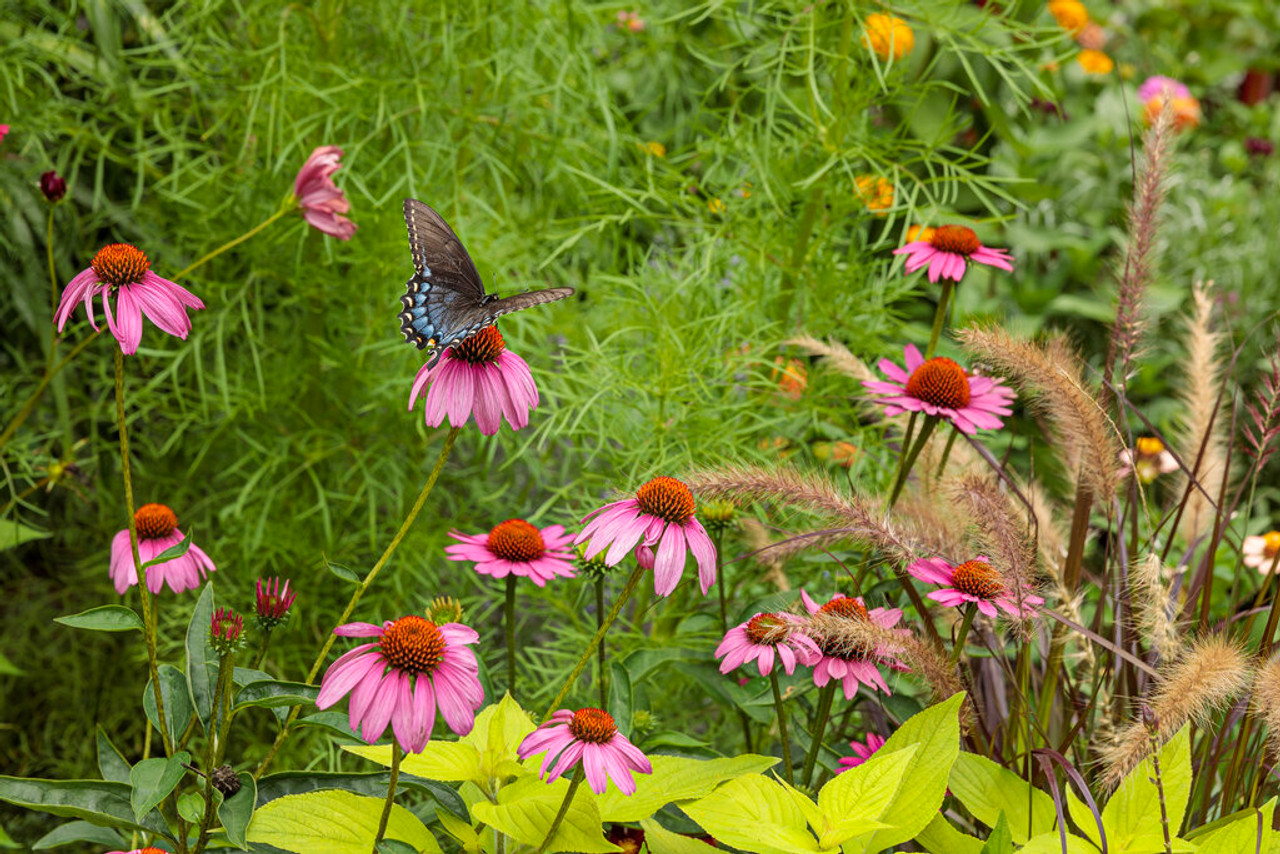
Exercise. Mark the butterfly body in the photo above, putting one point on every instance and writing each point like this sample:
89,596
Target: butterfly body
445,302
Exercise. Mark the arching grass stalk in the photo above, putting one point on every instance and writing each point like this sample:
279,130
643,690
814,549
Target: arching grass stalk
564,808
782,727
827,694
396,755
289,206
364,585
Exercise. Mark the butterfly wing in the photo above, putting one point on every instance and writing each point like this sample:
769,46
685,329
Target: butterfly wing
443,298
498,307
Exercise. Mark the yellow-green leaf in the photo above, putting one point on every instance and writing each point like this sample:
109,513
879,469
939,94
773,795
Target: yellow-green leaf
987,789
526,808
1133,812
447,761
659,840
852,802
334,822
939,837
677,778
1051,843
755,814
1242,834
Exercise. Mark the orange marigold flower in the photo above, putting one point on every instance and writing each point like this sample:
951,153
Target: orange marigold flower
1186,111
1095,62
920,232
876,192
1071,15
888,36
791,377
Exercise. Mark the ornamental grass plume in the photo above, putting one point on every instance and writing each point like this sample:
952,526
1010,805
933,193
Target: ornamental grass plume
942,388
1266,703
854,641
515,547
589,735
1154,607
946,250
1202,428
413,668
1002,528
158,531
122,271
477,378
322,202
765,638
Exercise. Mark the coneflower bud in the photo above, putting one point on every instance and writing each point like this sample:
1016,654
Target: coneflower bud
444,609
273,602
53,186
594,568
718,516
224,631
225,780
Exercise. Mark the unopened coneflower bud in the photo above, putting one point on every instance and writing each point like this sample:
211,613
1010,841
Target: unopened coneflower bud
718,516
643,720
224,631
53,186
444,609
273,602
592,567
225,780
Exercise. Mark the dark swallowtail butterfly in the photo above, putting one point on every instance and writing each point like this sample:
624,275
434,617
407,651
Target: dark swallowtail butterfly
444,301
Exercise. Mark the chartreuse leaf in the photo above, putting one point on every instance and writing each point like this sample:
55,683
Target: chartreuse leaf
106,618
526,808
676,778
462,831
1001,840
1242,834
852,802
447,761
659,840
154,779
80,831
755,814
1132,816
939,837
334,822
1051,843
201,658
987,790
111,762
936,734
235,811
97,801
498,731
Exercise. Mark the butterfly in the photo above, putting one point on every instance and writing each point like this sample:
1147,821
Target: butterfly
445,302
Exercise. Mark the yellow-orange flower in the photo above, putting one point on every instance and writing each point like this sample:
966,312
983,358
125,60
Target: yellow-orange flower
657,149
715,206
1095,62
1186,111
791,377
876,192
920,232
1071,15
888,36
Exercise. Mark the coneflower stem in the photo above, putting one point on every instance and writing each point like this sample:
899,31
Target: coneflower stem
963,633
909,461
720,573
262,649
396,755
144,592
946,452
364,585
227,687
600,654
782,727
53,284
564,809
213,748
939,317
209,256
636,575
509,624
827,694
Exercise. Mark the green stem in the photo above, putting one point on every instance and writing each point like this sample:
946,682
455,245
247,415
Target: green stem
50,372
782,727
600,675
827,694
227,686
509,621
930,421
946,452
148,612
364,585
53,285
213,748
963,634
262,649
939,317
636,575
564,809
236,242
396,755
720,583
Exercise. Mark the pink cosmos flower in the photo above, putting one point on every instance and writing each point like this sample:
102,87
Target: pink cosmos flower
1161,85
479,377
661,514
939,386
850,663
862,752
400,679
157,527
592,736
977,582
123,270
321,201
515,547
764,637
945,250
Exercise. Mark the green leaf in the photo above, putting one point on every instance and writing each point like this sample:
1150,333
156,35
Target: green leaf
676,778
97,801
659,840
373,784
1242,834
111,762
271,693
80,831
15,534
346,573
175,551
939,837
852,802
1133,813
395,846
755,814
8,668
334,822
200,656
462,831
176,698
526,808
338,723
236,811
1001,840
449,761
191,807
6,841
105,618
621,698
1051,843
988,791
154,779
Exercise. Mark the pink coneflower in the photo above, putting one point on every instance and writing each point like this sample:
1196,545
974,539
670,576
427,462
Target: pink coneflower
853,663
123,270
1149,458
157,531
479,377
1161,85
661,514
592,736
515,547
862,752
977,582
400,679
273,602
321,201
1260,552
762,639
940,387
945,251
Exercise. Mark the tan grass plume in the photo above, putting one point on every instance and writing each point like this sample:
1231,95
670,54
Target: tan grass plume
1266,703
1152,608
834,355
1203,372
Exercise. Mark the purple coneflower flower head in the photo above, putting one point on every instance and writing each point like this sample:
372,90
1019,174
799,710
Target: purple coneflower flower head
1260,552
515,547
939,386
413,668
948,249
273,601
861,752
853,663
224,630
52,186
123,270
661,514
589,735
478,377
1162,86
766,638
321,201
157,527
975,581
1149,458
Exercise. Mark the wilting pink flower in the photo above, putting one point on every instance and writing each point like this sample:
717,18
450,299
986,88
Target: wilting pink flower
851,662
661,514
123,270
157,527
945,251
1161,85
479,377
1260,552
515,547
940,387
273,602
762,639
400,679
977,582
321,201
592,736
862,752
1149,458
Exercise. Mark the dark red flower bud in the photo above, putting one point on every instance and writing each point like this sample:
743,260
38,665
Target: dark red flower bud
53,186
1258,146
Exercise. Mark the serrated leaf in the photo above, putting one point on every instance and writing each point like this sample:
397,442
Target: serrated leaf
659,840
273,693
80,831
498,731
176,698
334,822
236,811
987,790
674,779
200,655
174,552
1134,810
154,779
852,802
111,762
939,837
526,808
755,814
104,618
1242,834
97,801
